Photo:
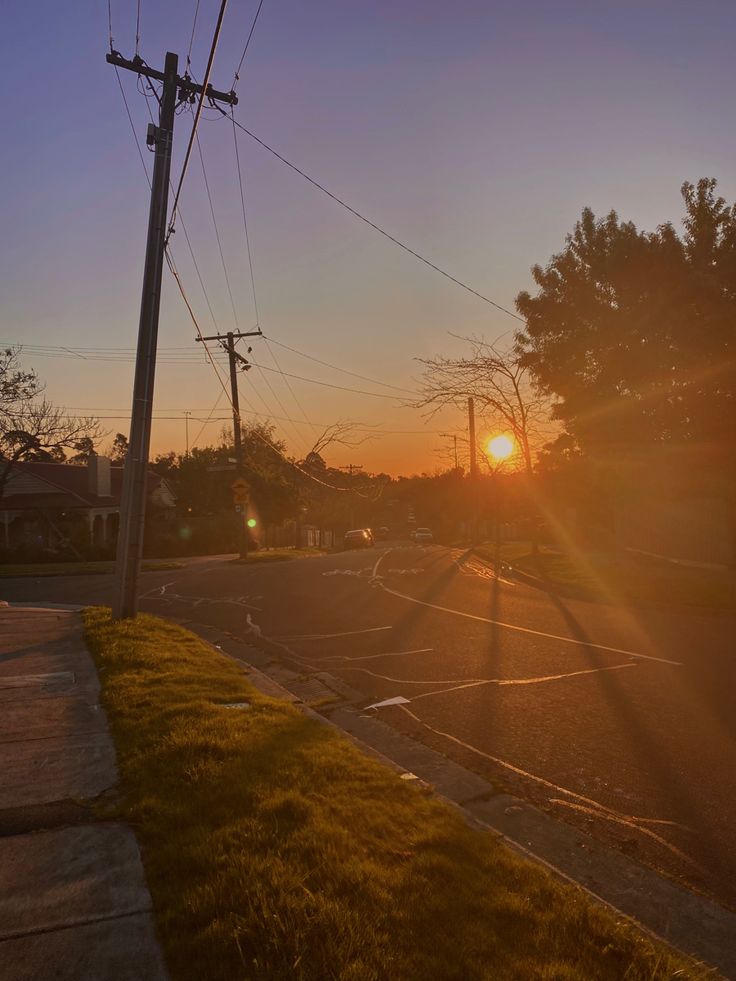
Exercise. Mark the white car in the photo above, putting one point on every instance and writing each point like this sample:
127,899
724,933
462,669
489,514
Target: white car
423,536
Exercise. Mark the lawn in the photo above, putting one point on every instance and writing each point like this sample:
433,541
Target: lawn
622,577
275,850
41,569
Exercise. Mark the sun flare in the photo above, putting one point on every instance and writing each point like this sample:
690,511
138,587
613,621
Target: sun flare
501,447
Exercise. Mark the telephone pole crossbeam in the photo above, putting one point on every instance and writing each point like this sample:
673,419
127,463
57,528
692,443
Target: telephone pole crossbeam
185,85
133,498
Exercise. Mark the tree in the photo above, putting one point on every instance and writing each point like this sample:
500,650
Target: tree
31,427
500,384
119,449
634,333
85,448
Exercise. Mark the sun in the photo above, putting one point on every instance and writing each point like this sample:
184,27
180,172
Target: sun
501,447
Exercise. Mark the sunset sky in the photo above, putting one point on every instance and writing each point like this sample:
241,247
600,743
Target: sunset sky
475,132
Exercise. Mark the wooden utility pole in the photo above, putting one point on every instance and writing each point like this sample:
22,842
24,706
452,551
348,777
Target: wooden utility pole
241,507
471,437
473,471
351,468
133,499
187,413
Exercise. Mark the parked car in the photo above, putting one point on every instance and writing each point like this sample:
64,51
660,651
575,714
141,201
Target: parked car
423,536
358,538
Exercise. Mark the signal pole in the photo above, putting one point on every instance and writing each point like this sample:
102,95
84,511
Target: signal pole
133,499
227,341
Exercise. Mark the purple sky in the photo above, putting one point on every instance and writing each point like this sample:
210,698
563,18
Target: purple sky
474,131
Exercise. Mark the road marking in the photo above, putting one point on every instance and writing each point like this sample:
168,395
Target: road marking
529,630
345,633
585,803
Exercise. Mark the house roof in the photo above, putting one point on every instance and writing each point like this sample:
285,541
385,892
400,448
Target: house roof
66,486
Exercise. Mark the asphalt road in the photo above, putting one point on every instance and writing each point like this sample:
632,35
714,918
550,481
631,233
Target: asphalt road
619,721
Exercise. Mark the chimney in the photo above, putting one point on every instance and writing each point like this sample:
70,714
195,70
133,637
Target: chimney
98,476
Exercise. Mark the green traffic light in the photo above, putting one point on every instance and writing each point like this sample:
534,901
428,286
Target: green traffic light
252,522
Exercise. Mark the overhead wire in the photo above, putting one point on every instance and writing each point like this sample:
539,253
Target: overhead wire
236,78
191,39
195,123
335,367
254,431
227,281
299,405
374,225
137,25
109,22
207,420
217,232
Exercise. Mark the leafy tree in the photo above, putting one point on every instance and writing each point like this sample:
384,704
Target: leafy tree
119,448
634,333
85,448
31,427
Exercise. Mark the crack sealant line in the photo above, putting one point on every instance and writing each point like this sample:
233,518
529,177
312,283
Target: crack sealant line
525,681
473,682
372,657
345,633
584,803
529,630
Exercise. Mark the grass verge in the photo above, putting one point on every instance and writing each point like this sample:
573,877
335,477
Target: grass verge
627,577
274,849
40,569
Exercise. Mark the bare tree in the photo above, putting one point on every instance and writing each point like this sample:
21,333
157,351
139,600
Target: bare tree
31,427
502,389
341,433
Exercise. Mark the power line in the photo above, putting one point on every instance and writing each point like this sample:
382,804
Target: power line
191,39
259,435
217,232
299,406
345,371
183,359
195,123
245,221
132,124
236,79
109,21
137,25
373,225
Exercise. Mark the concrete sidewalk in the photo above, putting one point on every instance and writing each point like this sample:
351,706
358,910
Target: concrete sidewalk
74,905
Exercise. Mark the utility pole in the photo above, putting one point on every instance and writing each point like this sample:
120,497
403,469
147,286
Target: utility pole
471,437
187,413
133,500
351,467
473,470
453,437
227,341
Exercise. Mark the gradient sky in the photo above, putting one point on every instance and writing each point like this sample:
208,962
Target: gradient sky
473,131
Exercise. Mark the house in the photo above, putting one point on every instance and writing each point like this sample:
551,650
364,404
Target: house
52,506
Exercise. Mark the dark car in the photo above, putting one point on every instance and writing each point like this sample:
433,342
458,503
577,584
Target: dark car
358,538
